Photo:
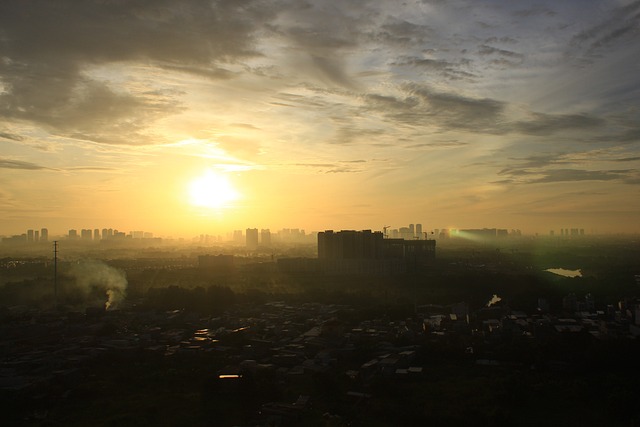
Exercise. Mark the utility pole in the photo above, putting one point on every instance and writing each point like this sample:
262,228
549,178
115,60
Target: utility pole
55,271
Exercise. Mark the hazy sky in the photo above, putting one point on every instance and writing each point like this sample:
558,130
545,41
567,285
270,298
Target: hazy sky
319,114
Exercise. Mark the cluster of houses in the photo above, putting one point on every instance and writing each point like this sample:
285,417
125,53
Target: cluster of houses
290,342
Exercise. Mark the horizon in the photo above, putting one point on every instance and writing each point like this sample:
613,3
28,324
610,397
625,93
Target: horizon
189,118
227,236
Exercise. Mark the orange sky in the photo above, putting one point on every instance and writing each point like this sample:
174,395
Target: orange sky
326,116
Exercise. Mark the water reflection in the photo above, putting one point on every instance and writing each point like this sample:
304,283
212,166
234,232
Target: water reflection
564,272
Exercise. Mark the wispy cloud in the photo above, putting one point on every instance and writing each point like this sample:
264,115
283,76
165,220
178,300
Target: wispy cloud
19,164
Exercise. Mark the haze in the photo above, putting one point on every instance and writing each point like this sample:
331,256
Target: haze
319,115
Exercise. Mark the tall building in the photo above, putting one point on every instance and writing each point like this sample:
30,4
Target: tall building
105,233
265,237
44,235
369,252
85,234
252,238
419,234
350,244
36,236
73,234
96,234
29,236
406,233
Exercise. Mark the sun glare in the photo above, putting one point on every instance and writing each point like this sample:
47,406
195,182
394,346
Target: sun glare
212,190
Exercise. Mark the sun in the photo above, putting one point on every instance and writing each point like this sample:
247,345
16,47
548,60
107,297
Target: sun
212,190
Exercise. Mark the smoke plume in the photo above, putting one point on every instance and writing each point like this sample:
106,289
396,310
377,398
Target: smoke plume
94,277
494,300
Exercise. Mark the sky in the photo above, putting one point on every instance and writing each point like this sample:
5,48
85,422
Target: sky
190,117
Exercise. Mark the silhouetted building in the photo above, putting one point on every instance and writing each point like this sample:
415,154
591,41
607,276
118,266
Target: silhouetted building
44,235
368,252
73,234
265,237
30,236
96,234
252,238
36,236
216,263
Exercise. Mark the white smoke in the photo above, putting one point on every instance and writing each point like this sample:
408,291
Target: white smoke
494,300
94,275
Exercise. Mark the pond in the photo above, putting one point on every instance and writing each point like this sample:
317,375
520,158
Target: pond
564,272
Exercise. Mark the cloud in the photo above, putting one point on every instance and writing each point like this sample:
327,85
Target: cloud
564,175
490,50
455,111
49,47
617,25
548,124
532,176
11,136
399,32
19,164
448,69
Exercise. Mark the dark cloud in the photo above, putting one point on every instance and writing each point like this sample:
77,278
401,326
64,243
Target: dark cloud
503,39
423,106
627,159
620,24
19,164
565,175
455,111
90,168
47,46
534,11
11,136
540,161
450,70
547,124
538,170
397,32
490,50
439,144
316,165
343,170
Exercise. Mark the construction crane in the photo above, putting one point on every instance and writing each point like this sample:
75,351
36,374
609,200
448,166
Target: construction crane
384,230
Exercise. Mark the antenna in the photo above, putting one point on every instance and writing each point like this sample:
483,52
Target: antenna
55,271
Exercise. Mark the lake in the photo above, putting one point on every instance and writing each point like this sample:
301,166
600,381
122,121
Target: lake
564,272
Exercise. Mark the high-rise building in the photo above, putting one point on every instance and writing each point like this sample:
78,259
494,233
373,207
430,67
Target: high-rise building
406,233
350,250
29,236
105,233
36,236
73,234
44,235
419,234
252,238
96,234
85,234
265,237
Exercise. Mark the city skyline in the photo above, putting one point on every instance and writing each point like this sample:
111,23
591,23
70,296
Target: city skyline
192,117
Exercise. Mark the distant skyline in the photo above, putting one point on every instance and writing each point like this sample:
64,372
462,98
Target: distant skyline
193,117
